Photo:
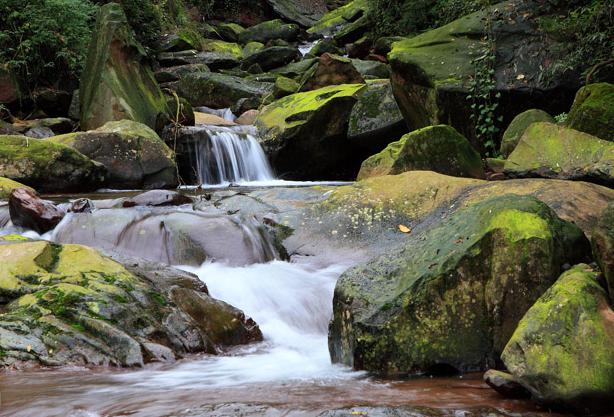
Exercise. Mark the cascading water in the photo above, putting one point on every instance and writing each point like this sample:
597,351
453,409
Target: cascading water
228,155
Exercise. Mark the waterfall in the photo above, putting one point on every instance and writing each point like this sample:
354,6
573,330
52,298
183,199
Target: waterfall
230,155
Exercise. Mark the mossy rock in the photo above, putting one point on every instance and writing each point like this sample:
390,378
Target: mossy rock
134,155
603,247
450,297
10,92
303,12
371,69
551,151
116,83
8,185
593,111
436,148
328,70
251,48
170,74
326,45
230,31
376,120
230,49
305,133
284,87
268,31
516,129
563,348
69,305
219,90
47,166
272,57
296,70
339,18
183,40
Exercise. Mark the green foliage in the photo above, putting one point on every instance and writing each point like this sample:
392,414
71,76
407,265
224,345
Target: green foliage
146,21
561,118
587,30
400,17
45,40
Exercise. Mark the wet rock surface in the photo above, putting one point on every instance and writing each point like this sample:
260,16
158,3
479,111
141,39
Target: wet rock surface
28,210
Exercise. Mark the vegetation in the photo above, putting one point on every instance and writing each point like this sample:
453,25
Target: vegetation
45,40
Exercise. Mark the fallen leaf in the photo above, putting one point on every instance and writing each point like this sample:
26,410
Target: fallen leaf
520,77
404,229
29,348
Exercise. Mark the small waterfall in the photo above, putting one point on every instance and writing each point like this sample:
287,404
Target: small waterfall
230,155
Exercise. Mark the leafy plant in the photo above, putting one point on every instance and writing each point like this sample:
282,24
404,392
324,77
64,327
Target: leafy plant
146,21
561,118
45,40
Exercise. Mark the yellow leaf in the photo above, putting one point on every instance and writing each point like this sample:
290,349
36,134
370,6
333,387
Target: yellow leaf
29,348
520,77
404,229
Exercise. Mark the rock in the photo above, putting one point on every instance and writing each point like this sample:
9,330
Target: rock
303,12
326,45
133,154
170,74
39,133
53,102
251,48
58,125
296,70
360,48
7,186
184,117
230,49
211,119
450,296
181,41
116,83
273,57
30,211
376,120
436,148
77,307
550,151
330,70
354,32
371,69
504,384
339,18
158,198
247,118
221,91
593,111
270,30
9,87
74,111
603,248
285,86
8,129
432,72
312,124
81,205
516,129
563,348
230,31
48,166
219,55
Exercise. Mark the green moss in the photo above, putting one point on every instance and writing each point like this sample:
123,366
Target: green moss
339,17
517,127
158,298
251,48
7,186
225,48
593,111
285,86
270,30
13,238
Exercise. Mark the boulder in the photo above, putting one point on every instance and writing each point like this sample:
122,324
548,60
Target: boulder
603,248
339,18
330,70
39,133
432,72
563,348
285,86
270,30
117,83
451,295
157,198
226,48
170,74
52,101
32,212
247,118
230,31
133,154
181,41
305,133
326,45
435,148
296,70
550,151
68,305
593,111
505,384
221,91
7,186
216,55
303,12
270,58
376,120
371,69
251,48
47,166
9,87
516,129
58,125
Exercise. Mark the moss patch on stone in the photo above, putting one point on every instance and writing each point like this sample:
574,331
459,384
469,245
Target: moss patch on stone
516,129
593,111
8,185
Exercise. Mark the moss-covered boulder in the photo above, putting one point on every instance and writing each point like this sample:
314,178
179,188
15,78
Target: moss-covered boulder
48,166
436,148
268,31
593,111
551,151
170,74
376,120
284,87
516,129
563,348
270,58
230,31
8,185
326,45
371,70
340,18
219,90
330,70
182,40
603,247
303,12
432,72
116,83
230,49
68,305
251,48
305,133
449,298
133,154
